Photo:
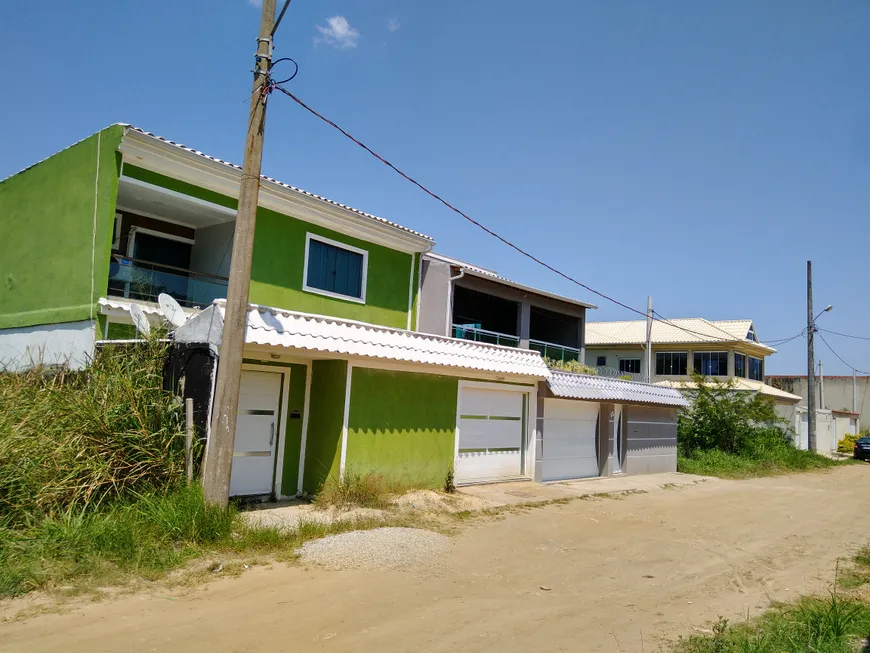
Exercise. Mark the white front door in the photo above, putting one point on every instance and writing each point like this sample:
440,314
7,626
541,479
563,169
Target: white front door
491,438
256,434
569,447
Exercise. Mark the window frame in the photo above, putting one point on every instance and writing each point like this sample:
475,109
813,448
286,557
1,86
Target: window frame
598,362
695,362
340,245
631,360
749,368
745,365
663,353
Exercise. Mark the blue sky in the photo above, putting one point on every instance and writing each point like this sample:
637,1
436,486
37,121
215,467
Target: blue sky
698,152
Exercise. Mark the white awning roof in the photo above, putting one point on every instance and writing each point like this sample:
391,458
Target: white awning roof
746,385
570,385
319,333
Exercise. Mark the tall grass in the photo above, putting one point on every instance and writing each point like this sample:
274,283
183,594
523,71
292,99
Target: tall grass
76,441
780,458
145,537
360,489
831,625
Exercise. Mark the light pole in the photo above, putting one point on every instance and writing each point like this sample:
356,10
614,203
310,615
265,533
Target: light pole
811,363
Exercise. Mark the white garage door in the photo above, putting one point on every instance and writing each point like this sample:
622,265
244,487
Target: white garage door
491,440
568,447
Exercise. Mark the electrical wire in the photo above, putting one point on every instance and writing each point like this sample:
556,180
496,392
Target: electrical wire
480,225
852,367
280,18
845,335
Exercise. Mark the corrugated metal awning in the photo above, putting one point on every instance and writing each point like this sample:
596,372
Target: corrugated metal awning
276,327
570,385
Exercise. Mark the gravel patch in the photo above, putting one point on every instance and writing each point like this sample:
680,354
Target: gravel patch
398,549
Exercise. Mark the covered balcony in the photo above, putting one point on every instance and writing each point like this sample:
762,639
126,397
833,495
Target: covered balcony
169,242
483,317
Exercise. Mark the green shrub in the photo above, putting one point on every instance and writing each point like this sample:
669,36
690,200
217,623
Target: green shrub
847,444
720,417
73,441
569,366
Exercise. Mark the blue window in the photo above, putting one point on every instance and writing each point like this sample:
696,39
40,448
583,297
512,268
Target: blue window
740,365
333,268
756,369
711,363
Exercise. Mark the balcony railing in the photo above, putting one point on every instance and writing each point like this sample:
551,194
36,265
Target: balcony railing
473,332
613,373
144,280
555,352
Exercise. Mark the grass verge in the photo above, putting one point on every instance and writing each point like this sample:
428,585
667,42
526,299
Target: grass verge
822,625
781,460
360,490
147,538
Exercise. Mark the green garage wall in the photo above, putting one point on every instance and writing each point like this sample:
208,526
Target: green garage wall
47,233
325,421
279,260
402,425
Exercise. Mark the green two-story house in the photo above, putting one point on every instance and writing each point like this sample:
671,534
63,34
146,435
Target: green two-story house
336,377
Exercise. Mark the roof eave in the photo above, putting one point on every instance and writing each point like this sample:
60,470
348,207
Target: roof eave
197,168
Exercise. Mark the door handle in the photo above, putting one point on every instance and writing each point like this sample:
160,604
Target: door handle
272,434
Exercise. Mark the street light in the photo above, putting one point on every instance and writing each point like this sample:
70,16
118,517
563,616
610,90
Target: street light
828,309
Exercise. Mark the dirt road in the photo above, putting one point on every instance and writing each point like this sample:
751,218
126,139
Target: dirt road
627,571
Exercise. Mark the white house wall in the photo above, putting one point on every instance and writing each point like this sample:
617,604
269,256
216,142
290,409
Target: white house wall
69,343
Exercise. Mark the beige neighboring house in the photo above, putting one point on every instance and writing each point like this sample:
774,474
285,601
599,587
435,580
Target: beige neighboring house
722,349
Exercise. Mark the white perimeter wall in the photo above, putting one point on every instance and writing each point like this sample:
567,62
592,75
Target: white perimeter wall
50,344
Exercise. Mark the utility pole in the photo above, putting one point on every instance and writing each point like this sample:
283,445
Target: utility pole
649,324
854,391
821,386
811,364
221,441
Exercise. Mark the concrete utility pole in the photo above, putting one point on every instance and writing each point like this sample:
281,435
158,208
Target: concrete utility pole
821,386
649,325
854,391
221,441
811,364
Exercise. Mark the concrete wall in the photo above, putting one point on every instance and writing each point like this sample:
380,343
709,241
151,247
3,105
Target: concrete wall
435,296
68,344
212,249
838,393
650,436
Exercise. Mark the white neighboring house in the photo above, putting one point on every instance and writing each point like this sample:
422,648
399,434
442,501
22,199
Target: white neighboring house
721,349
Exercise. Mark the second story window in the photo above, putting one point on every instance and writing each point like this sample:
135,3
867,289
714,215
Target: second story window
671,363
629,365
711,363
740,365
335,269
601,361
756,369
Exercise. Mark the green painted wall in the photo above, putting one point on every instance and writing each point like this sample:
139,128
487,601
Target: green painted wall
46,233
279,260
293,434
402,425
325,420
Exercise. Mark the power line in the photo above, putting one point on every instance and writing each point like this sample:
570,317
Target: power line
845,335
280,17
480,225
852,367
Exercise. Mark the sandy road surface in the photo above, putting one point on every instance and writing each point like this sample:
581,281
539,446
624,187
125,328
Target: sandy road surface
647,566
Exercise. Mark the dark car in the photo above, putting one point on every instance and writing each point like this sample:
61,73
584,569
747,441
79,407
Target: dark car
862,449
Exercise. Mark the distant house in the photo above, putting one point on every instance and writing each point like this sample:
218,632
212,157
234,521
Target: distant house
721,349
